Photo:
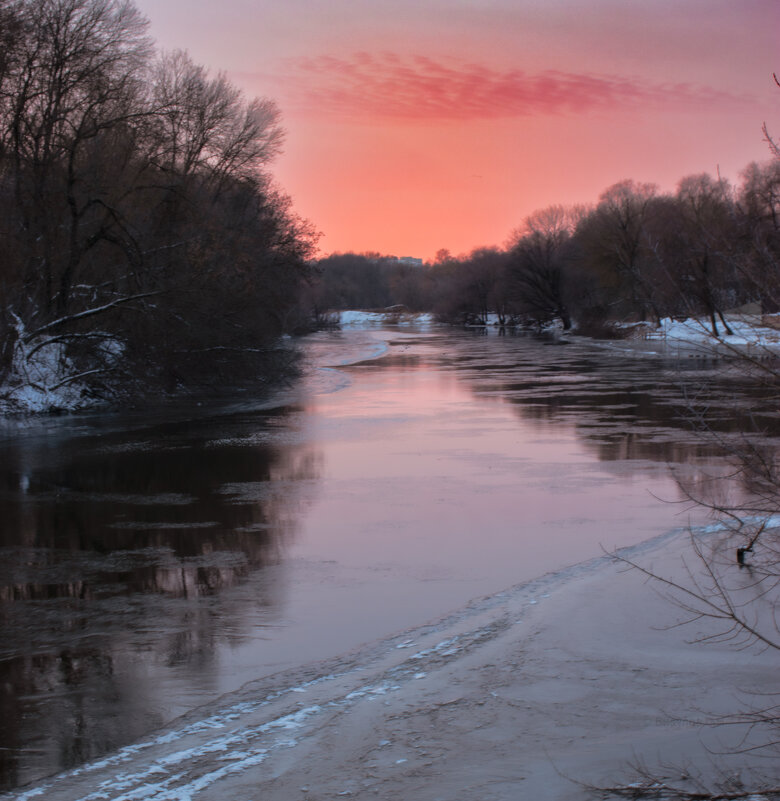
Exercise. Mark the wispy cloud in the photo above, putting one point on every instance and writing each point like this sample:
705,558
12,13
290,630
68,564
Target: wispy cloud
386,85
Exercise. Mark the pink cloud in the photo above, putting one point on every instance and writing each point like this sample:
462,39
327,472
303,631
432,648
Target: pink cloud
386,85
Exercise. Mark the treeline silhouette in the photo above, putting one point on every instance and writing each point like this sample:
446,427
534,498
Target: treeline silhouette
637,254
144,244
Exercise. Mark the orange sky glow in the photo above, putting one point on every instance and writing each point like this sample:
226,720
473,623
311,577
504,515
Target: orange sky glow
415,125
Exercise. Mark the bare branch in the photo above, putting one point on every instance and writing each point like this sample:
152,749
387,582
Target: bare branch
69,318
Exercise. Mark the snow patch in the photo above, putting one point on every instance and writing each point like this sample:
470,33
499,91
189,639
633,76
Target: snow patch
745,331
43,377
367,319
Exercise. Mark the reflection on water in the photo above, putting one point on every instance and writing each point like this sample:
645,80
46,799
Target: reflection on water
621,406
116,552
134,557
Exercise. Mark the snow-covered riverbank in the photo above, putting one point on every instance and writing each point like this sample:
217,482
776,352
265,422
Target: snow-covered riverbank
43,380
522,694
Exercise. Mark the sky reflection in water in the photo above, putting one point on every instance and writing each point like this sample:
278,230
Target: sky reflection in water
147,569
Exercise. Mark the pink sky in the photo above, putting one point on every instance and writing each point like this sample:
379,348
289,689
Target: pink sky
414,125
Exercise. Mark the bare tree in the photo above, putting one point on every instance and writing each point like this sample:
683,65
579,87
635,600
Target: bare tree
75,75
774,148
758,203
205,124
137,207
538,264
618,247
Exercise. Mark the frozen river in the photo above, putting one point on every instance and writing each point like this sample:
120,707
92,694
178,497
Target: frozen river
152,563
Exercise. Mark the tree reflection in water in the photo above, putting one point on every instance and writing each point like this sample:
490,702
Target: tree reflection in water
118,556
131,562
621,405
692,413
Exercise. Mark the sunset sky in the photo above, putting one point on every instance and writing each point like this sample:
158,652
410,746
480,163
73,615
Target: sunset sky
415,125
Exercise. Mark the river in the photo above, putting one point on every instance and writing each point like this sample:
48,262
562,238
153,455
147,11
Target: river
151,562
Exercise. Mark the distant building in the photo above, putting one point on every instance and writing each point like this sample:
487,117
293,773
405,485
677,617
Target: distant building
410,260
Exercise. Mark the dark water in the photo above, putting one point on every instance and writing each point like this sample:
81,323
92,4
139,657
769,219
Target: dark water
151,563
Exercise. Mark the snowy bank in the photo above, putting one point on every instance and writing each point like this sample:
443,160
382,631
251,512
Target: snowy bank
368,319
745,331
43,377
754,337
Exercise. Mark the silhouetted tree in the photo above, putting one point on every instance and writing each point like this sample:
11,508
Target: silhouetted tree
759,206
697,251
470,288
615,244
539,263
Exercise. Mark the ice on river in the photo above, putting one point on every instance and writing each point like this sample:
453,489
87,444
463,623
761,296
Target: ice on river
254,730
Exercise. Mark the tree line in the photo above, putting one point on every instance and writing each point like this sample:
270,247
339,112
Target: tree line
637,254
143,241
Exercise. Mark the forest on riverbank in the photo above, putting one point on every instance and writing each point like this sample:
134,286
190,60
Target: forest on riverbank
145,246
636,255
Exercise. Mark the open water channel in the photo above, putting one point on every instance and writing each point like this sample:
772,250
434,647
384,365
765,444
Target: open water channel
151,562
